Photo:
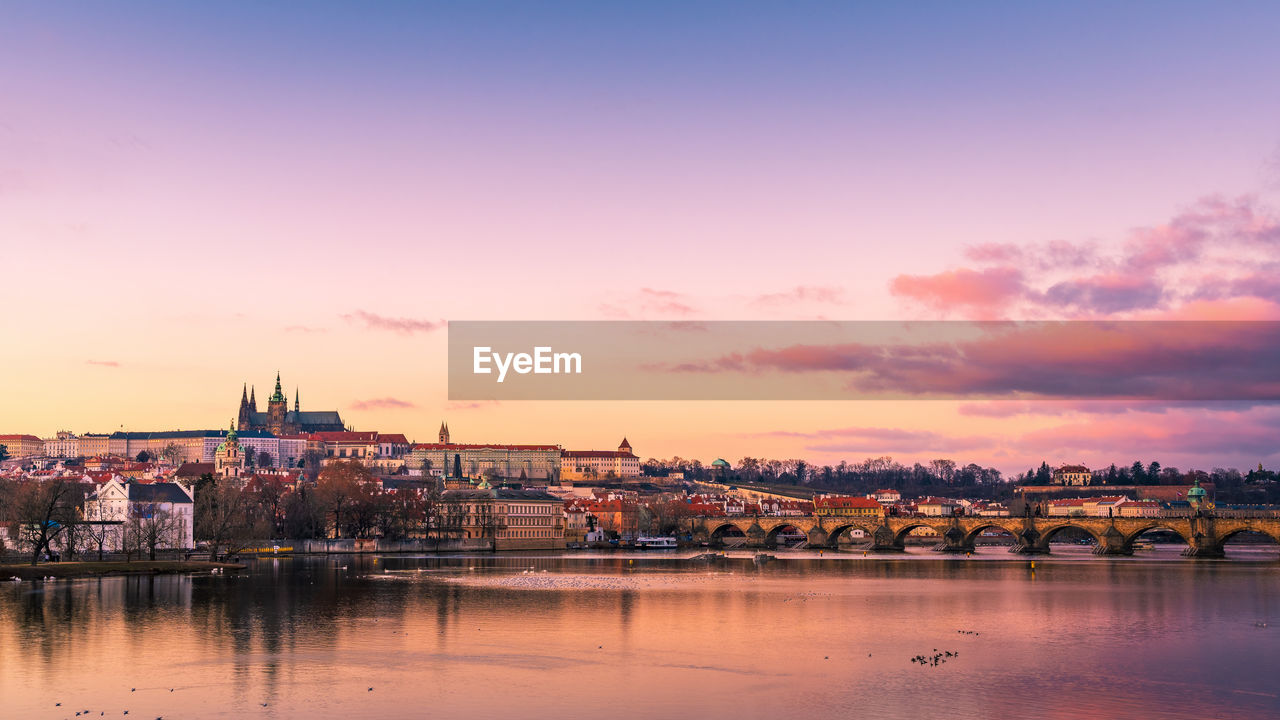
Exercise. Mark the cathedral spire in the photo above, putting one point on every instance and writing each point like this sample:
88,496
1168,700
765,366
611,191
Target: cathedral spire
278,395
296,406
244,395
253,399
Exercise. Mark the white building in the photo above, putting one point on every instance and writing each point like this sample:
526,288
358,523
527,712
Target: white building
886,496
592,464
938,507
1139,508
170,505
64,445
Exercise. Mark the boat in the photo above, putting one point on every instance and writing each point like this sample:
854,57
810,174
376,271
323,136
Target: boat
655,543
1143,545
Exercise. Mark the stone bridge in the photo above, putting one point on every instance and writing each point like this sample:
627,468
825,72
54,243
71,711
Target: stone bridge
1204,534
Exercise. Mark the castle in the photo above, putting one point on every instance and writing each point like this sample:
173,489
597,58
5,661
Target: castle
279,420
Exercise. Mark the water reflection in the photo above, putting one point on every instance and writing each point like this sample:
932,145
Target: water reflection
629,637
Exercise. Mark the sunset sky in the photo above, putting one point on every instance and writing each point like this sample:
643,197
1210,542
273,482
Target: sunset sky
195,196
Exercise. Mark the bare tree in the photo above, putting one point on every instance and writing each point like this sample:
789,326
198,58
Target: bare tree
172,453
43,510
222,517
155,527
312,463
99,534
344,488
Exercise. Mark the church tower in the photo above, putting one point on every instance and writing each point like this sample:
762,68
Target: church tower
228,462
444,434
277,406
243,419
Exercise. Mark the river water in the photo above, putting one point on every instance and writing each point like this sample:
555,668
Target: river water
656,636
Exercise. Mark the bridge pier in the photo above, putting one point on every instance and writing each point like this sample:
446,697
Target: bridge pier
1029,541
1113,543
885,540
954,541
1204,546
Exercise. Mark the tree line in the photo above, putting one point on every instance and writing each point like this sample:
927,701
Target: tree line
946,477
858,478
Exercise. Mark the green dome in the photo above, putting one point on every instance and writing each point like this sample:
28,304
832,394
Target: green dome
232,439
719,463
1196,491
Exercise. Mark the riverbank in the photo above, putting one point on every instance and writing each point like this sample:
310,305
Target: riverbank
102,569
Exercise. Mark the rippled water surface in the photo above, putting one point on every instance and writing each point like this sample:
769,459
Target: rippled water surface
656,636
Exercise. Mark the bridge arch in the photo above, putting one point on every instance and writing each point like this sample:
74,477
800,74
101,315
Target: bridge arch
1047,535
833,535
971,538
1226,537
901,533
1156,525
724,529
771,536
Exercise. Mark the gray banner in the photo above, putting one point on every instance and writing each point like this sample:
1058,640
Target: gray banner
822,360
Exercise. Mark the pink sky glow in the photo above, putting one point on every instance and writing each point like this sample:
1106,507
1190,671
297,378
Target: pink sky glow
182,212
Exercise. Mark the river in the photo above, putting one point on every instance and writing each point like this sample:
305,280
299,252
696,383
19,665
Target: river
632,635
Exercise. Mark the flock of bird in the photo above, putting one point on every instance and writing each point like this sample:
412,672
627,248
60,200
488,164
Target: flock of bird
936,659
85,713
941,656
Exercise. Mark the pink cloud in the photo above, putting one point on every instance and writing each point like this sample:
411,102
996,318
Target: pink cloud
664,302
385,403
402,326
103,363
1160,267
800,294
476,405
1105,294
647,303
988,289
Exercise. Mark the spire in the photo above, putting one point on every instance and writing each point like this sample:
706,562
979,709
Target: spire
278,395
231,433
296,406
253,399
244,395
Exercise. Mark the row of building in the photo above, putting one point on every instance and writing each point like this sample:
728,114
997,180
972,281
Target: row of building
381,452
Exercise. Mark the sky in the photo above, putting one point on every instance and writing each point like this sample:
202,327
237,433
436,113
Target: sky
195,196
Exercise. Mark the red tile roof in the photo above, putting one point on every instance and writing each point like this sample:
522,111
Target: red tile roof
844,501
597,454
193,469
344,436
481,446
